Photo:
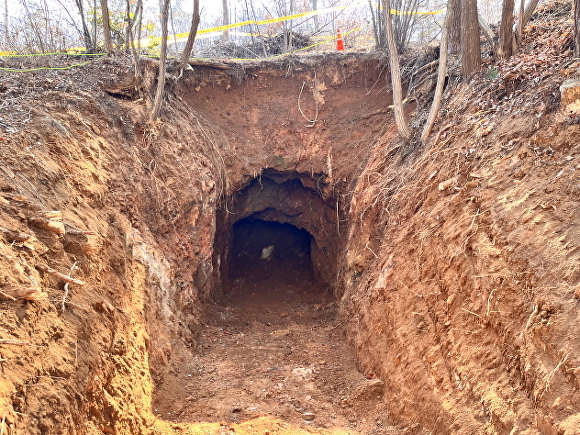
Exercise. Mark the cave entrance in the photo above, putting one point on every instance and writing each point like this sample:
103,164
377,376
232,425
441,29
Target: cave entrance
272,345
277,237
271,259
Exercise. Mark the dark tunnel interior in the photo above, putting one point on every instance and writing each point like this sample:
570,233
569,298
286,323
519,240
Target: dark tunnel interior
276,232
263,250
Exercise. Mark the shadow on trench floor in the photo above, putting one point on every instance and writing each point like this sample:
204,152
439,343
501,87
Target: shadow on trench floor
273,360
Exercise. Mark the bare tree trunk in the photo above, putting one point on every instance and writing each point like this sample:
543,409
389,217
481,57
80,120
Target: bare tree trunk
258,29
137,49
72,20
248,17
163,57
524,17
576,28
131,34
173,30
436,105
506,33
95,22
470,45
487,32
375,28
377,25
316,23
48,34
128,41
192,33
106,26
400,119
6,26
519,25
454,38
290,25
89,42
226,15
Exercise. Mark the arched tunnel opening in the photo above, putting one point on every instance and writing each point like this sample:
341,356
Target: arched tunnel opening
278,234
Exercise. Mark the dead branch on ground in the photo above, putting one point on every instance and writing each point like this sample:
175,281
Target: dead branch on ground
14,342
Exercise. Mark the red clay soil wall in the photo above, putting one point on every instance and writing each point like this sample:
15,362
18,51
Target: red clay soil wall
130,212
312,119
129,208
463,277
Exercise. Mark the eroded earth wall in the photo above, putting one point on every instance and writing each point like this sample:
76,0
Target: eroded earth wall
108,221
89,192
463,278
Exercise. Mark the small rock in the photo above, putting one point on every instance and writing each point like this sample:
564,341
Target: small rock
267,252
309,416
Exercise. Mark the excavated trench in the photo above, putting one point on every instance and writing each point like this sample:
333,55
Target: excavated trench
272,344
210,248
205,258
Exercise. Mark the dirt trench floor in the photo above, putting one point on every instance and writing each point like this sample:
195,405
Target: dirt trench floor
273,358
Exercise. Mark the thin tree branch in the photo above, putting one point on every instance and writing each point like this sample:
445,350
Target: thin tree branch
400,119
436,105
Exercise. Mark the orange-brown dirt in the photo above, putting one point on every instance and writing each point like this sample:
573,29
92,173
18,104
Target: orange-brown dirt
410,289
273,347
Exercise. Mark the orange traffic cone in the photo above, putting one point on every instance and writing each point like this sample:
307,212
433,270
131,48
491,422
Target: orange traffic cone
339,42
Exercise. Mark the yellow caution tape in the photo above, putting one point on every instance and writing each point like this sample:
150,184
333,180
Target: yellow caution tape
245,23
222,28
46,67
13,53
396,12
287,18
181,36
